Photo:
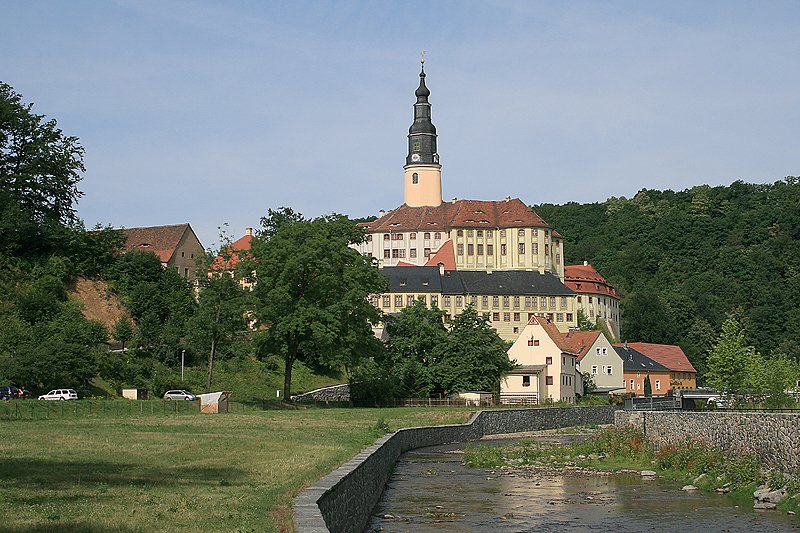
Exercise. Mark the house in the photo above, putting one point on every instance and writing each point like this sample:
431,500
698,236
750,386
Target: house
682,374
637,368
596,297
227,261
598,359
547,363
177,246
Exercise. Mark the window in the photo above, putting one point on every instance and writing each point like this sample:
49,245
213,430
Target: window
563,361
590,299
398,301
183,254
186,272
516,302
459,301
521,232
506,301
605,351
502,249
552,302
535,248
460,233
484,301
658,384
526,381
414,178
437,236
495,317
386,253
534,232
397,236
559,317
546,249
434,300
558,259
426,236
638,386
480,249
479,233
386,301
502,233
516,330
597,350
412,252
610,370
489,249
495,301
521,247
527,301
489,234
530,315
426,252
469,233
386,237
516,317
460,248
373,300
631,385
470,249
563,302
506,317
410,300
580,298
594,370
548,380
569,317
412,236
447,301
548,360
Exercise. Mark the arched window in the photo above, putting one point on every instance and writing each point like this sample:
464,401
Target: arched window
414,178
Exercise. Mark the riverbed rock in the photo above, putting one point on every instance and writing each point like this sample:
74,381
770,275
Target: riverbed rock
765,506
648,473
699,478
689,488
764,494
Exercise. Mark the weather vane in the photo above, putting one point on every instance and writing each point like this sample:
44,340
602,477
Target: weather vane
423,57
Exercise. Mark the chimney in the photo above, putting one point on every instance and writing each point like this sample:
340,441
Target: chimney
441,268
381,213
248,232
508,198
626,345
454,199
586,263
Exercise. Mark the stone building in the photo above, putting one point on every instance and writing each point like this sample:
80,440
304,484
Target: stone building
596,297
177,246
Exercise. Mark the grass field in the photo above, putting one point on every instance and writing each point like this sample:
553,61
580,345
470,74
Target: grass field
227,472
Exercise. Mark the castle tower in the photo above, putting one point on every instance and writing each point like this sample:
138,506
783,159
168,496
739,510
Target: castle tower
423,173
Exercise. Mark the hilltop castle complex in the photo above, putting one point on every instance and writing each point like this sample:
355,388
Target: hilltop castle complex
497,256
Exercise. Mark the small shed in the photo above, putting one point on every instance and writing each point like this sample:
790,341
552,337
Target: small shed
134,394
476,397
214,402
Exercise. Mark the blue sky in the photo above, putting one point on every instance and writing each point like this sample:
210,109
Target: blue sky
212,112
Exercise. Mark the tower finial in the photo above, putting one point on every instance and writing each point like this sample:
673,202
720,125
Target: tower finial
423,59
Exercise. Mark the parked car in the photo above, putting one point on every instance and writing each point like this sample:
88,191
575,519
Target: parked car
60,394
179,395
9,392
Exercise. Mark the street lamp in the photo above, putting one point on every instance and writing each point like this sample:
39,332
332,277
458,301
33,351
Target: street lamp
183,353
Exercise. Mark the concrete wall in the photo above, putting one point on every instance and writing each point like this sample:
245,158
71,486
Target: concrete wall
343,500
773,437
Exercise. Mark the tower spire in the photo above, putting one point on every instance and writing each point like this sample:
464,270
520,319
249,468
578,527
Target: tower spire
422,170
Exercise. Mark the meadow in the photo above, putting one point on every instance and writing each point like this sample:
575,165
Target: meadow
180,472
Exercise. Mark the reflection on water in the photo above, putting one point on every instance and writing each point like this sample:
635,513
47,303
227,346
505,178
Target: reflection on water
431,490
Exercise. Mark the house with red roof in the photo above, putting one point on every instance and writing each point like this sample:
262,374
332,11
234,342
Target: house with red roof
679,370
177,246
598,360
596,297
547,366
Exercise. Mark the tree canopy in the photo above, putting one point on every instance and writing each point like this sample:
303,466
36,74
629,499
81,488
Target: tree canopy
311,296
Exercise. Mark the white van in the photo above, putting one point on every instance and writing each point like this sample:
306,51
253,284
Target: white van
60,394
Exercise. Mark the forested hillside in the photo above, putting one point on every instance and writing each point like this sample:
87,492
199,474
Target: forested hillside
683,260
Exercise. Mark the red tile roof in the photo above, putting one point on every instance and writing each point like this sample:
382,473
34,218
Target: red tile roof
161,240
511,213
669,355
583,340
235,250
585,279
564,344
444,255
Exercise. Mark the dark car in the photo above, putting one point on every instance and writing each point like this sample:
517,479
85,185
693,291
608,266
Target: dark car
9,392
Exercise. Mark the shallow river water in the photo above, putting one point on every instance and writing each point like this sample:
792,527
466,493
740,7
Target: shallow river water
431,490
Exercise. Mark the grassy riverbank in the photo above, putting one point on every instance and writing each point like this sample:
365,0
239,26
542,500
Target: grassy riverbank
233,472
616,449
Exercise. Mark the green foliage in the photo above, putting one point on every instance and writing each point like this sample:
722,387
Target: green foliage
584,324
683,260
312,292
648,387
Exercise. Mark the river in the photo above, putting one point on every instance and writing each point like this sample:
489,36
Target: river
431,491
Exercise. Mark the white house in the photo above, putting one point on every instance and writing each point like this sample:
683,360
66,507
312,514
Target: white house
598,359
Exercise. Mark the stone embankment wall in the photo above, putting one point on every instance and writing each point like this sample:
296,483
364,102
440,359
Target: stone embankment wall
334,393
343,500
773,437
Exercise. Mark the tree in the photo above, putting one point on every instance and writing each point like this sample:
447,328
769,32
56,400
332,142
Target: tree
584,324
311,295
40,168
730,358
648,387
472,357
123,330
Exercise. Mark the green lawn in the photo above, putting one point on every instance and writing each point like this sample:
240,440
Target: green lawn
227,472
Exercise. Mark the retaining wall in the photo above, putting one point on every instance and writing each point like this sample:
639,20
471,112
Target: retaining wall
343,500
773,437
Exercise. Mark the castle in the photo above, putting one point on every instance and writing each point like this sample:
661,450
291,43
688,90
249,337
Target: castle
497,256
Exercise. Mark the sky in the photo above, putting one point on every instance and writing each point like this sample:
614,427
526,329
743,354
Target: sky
212,112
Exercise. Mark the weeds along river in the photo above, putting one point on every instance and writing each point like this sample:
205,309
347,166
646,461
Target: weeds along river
431,491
